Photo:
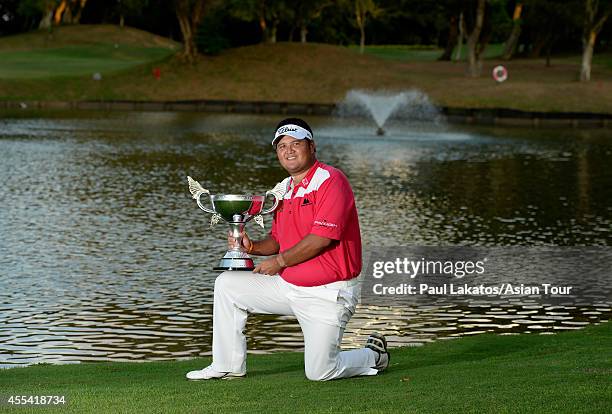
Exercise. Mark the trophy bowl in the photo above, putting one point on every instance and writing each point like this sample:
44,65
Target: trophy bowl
230,205
236,210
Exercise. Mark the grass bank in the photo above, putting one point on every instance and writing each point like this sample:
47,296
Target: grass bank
79,51
290,72
568,372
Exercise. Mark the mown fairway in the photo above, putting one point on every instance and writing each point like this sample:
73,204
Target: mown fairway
76,60
77,51
569,372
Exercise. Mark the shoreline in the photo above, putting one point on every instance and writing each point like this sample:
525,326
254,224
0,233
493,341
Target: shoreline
453,115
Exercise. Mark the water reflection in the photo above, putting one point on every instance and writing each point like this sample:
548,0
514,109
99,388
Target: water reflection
103,254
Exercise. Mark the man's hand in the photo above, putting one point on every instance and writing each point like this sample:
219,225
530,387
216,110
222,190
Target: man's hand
268,267
246,241
307,248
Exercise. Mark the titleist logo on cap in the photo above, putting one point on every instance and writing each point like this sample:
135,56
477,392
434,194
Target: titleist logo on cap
284,129
292,130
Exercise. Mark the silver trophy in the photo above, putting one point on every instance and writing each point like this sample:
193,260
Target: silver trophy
236,210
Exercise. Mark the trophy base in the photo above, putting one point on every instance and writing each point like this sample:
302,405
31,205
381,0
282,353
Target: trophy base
234,269
236,264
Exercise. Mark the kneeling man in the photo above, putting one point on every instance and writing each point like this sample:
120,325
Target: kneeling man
316,243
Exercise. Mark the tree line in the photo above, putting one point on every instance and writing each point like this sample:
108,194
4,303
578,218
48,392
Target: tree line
529,28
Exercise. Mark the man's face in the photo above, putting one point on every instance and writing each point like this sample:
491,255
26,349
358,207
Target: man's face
295,155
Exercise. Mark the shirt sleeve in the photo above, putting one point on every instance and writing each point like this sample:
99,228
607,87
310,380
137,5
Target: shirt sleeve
334,202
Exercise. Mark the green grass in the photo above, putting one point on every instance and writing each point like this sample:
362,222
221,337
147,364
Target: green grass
406,53
76,60
493,50
604,59
403,53
568,372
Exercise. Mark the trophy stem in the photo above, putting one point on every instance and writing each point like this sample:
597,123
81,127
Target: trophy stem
237,229
236,258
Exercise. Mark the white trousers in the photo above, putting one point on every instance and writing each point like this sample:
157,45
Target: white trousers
322,312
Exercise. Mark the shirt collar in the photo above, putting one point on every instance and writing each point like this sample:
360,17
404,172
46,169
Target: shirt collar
306,180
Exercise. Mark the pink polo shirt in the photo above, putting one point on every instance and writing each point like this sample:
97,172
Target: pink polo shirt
322,204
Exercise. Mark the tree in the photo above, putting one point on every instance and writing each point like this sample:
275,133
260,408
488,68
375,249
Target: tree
69,11
36,8
453,38
273,12
545,22
460,38
454,16
189,14
10,19
129,8
267,13
594,19
363,9
54,12
305,11
335,25
473,40
512,42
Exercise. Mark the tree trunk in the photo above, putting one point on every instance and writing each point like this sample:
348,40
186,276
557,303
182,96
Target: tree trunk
264,29
453,35
67,17
473,69
122,21
592,27
291,33
272,38
303,33
47,20
474,63
483,43
360,19
512,41
77,17
587,56
461,36
539,45
362,39
59,12
189,47
189,16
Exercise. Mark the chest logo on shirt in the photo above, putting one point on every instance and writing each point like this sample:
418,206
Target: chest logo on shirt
306,202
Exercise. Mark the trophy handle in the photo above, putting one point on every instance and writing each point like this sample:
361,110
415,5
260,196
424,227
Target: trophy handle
204,207
279,193
196,191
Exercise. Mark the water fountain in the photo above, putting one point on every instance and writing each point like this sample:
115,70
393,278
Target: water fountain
383,105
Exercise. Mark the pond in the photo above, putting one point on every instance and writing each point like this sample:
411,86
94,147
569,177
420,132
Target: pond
105,256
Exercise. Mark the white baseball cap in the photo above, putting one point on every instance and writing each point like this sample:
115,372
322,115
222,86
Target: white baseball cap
291,130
